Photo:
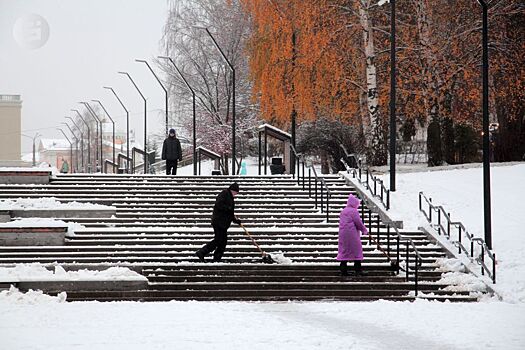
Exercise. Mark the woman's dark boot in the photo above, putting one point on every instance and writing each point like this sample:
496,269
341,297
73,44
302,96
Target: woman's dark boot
358,269
344,268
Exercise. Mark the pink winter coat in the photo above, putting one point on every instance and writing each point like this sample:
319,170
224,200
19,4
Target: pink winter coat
350,229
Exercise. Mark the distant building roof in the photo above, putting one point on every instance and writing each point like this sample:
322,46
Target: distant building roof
54,144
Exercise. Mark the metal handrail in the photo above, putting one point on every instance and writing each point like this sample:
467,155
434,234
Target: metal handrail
384,194
114,166
140,151
445,228
409,243
300,159
211,155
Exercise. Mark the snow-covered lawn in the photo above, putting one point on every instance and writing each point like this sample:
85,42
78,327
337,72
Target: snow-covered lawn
459,191
36,321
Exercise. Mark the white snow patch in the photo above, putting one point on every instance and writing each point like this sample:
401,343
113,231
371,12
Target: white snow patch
38,272
47,203
13,296
72,227
280,258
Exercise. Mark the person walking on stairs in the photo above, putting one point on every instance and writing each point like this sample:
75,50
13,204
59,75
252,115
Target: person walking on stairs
350,229
223,216
171,153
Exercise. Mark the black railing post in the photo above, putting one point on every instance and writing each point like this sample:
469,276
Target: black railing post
387,200
315,180
439,221
398,255
407,263
471,249
378,223
430,210
494,268
482,260
309,183
420,206
416,259
322,204
327,207
303,174
259,163
459,239
388,239
448,225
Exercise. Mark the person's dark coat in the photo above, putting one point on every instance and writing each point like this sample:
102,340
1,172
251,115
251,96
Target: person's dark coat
223,211
171,149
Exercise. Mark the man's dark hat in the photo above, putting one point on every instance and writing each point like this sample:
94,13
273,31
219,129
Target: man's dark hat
234,187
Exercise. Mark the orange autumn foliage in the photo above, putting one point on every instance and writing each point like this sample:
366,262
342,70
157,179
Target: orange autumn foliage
295,61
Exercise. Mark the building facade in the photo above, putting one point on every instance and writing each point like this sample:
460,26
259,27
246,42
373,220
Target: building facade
10,128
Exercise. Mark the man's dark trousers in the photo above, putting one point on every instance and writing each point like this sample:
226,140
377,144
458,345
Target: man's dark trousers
171,165
218,243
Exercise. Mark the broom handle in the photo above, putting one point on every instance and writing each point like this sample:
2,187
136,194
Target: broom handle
253,240
379,247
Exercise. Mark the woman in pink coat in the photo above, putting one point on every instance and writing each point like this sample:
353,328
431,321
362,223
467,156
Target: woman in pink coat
350,229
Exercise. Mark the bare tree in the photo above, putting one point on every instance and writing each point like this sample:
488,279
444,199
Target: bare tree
200,62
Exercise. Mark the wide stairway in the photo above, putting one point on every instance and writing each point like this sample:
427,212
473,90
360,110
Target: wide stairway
161,221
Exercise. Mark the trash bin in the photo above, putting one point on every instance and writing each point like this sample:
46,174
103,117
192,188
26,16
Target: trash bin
277,167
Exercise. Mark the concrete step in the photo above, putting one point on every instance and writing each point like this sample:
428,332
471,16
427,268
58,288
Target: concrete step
282,298
256,295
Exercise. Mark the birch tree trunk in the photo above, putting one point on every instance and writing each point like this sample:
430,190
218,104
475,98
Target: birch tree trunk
431,83
373,128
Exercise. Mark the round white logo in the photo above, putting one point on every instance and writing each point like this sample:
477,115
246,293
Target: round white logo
31,31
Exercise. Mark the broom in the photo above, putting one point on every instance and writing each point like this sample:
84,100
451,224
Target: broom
392,263
266,258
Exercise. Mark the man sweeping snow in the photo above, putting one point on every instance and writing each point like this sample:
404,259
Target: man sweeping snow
223,216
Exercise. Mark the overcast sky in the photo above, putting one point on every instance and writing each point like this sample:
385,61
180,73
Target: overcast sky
89,41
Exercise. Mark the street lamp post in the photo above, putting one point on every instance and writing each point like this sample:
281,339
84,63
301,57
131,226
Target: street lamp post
163,88
486,139
70,145
100,155
90,164
194,114
145,123
81,143
127,125
393,95
233,95
76,148
34,146
113,122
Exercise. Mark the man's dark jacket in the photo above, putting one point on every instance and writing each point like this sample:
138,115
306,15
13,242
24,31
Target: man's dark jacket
171,149
223,211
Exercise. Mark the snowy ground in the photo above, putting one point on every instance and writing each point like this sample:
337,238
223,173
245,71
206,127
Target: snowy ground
36,321
41,323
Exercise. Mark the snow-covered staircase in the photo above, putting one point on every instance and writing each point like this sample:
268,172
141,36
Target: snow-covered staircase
161,221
